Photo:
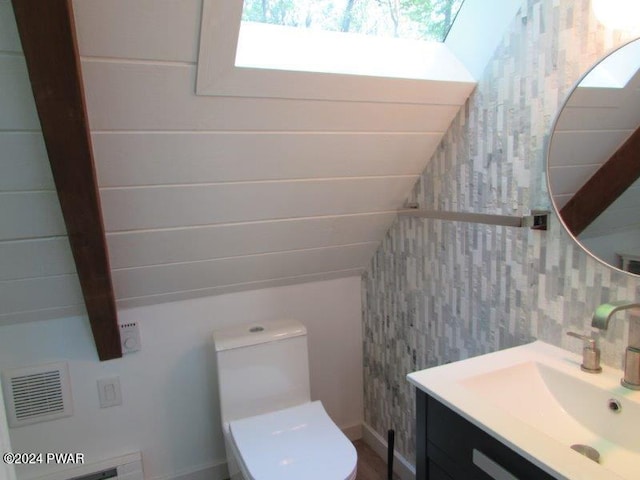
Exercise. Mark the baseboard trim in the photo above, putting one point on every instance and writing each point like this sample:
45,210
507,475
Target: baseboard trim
401,466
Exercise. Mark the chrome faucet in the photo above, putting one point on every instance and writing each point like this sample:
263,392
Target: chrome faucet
604,312
601,319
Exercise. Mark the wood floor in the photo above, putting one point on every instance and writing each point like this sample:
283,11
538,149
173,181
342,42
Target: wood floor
370,465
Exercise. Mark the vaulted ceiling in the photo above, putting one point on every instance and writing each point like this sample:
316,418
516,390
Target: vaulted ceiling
200,195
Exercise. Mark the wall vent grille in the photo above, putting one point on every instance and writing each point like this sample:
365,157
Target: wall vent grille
37,394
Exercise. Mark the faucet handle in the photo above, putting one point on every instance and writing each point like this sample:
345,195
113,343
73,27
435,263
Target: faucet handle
586,338
590,353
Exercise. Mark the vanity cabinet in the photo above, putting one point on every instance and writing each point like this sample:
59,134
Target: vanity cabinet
449,447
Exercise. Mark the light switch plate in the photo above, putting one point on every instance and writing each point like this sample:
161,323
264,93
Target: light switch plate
109,392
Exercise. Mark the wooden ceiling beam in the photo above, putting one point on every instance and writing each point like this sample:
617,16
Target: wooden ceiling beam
47,33
610,181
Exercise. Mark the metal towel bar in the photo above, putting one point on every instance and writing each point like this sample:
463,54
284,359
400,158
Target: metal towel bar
537,220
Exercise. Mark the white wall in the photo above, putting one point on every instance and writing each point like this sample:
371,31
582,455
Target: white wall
485,21
170,409
607,247
7,471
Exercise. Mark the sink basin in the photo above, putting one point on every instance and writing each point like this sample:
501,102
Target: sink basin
536,400
567,409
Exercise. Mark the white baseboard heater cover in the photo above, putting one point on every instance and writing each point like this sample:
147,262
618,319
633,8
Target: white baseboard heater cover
126,467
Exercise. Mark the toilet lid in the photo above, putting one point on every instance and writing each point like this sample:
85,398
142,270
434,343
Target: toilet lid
300,442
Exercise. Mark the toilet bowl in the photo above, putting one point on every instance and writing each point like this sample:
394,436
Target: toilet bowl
292,444
272,429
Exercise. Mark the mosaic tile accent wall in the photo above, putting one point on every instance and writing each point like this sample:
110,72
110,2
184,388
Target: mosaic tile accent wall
439,291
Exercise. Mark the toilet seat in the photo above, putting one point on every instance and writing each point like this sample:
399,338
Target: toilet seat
300,442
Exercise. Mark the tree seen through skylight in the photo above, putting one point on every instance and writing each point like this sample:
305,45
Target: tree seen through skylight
412,19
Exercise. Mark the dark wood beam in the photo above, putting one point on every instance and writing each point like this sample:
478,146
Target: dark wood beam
610,181
47,33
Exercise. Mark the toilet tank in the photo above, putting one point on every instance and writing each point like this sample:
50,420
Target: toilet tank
262,367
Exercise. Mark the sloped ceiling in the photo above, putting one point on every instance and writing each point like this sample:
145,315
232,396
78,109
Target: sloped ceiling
201,195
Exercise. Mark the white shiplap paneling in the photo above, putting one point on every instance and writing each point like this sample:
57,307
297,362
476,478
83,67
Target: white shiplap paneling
30,214
9,40
592,119
18,110
42,314
144,96
199,179
24,164
237,287
28,295
37,275
586,147
129,159
189,205
166,30
35,258
201,195
159,279
140,248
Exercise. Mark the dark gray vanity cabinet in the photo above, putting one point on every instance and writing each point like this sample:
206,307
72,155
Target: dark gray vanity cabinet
449,447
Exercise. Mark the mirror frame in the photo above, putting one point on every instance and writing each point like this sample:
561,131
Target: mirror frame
552,130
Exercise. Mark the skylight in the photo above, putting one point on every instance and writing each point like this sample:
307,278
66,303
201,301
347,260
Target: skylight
410,19
384,38
256,59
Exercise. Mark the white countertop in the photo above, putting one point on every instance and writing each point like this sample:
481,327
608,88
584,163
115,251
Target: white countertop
446,383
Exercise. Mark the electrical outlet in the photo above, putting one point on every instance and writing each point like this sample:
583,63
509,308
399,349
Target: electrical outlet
130,337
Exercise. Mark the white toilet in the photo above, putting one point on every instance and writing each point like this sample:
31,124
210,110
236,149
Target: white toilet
272,429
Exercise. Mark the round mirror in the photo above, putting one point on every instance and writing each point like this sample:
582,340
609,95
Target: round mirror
593,160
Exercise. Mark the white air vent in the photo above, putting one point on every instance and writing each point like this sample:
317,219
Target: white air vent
37,394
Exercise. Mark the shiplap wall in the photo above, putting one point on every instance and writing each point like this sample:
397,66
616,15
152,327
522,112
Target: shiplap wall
204,195
200,195
37,274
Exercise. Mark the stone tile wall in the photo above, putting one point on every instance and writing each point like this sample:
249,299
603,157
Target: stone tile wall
439,291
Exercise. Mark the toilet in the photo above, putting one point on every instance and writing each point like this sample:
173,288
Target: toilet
272,429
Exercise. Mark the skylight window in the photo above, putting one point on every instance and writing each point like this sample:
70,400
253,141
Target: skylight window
410,19
281,60
383,38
